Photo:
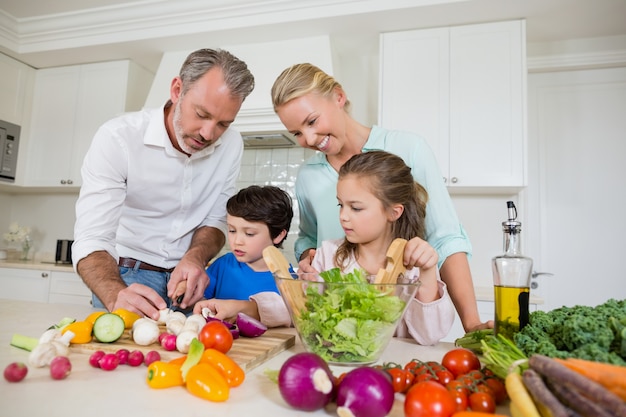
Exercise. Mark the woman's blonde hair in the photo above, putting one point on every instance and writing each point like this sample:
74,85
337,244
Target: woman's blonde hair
390,181
302,79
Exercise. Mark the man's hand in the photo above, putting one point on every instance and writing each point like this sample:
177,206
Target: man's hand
195,278
140,299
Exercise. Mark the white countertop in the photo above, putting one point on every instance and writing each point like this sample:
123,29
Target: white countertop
39,265
93,392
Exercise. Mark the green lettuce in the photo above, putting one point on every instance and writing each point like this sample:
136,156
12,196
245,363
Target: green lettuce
348,323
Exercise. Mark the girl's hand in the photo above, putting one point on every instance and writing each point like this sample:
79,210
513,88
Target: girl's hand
419,253
227,309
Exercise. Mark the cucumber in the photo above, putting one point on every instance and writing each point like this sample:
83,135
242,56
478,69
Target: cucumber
108,328
24,342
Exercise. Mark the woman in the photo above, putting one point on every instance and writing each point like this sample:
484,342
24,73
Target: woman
314,107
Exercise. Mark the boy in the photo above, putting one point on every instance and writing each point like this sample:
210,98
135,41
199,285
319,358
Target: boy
240,281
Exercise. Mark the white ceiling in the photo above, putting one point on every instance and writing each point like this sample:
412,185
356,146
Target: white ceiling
62,32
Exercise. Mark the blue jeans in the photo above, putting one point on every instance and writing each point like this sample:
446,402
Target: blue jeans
155,280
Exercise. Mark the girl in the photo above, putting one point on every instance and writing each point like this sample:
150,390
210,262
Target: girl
379,201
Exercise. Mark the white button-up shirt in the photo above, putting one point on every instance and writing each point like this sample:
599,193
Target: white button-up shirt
143,199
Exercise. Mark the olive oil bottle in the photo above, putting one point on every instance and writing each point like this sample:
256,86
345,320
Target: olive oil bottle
511,278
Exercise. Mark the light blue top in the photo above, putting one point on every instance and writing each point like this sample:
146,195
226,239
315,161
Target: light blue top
316,192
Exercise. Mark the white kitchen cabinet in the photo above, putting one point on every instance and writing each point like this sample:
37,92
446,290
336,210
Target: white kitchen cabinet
16,80
70,103
68,288
463,89
24,284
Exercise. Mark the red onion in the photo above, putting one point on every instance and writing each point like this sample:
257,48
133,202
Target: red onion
306,382
365,392
249,326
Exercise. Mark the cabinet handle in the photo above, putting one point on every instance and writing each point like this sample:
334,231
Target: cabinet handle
44,275
63,182
445,180
535,274
70,182
454,180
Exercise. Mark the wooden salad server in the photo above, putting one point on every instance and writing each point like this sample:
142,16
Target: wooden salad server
395,266
276,262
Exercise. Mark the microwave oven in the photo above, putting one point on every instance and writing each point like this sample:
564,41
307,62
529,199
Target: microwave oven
9,144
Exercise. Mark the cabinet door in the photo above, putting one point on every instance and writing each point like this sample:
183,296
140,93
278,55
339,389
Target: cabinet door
52,126
414,87
102,95
14,78
68,288
463,90
487,104
24,284
70,105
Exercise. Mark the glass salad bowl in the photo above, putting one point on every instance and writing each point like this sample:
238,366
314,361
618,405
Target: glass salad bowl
344,318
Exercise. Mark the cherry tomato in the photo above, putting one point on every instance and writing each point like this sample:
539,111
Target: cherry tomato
457,385
401,379
416,366
498,388
483,402
215,335
460,361
444,376
460,399
428,399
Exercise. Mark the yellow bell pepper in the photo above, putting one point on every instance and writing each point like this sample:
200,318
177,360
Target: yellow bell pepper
164,375
205,381
82,331
229,369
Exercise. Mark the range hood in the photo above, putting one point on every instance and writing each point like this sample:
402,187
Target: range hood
257,140
256,120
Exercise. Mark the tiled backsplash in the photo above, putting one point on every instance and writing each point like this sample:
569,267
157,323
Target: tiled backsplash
279,167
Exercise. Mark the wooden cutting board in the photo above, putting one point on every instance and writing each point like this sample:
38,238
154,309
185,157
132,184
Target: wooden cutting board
247,352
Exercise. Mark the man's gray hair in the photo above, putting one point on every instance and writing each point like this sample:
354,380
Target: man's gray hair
236,74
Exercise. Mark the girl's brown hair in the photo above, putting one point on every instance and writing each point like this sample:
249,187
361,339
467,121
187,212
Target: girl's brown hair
391,182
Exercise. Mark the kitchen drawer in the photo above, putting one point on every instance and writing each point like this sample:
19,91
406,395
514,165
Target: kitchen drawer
68,288
24,284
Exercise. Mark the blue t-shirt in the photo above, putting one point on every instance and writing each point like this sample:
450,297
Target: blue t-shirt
230,279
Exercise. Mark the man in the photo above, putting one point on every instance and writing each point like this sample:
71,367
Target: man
152,208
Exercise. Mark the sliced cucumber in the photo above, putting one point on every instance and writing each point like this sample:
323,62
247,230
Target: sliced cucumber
24,342
108,328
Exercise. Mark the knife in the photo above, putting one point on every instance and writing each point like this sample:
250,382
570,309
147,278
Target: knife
177,297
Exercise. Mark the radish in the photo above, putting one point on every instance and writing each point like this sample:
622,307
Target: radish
306,382
152,356
60,367
168,341
122,355
94,359
135,358
109,361
15,372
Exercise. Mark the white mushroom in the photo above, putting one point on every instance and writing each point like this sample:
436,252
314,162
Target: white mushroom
174,326
145,331
183,340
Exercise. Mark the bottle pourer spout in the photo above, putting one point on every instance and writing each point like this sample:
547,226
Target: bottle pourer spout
512,210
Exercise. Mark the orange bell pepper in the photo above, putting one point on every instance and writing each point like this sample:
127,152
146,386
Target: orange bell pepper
164,375
205,381
229,369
